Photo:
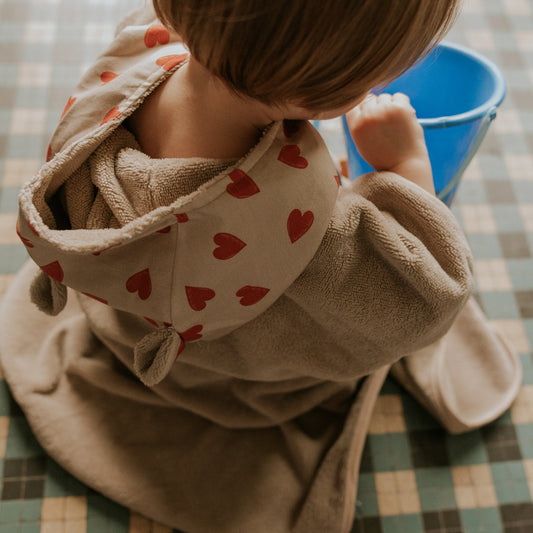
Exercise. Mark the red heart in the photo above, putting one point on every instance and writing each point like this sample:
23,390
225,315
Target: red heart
182,217
192,334
228,245
290,127
140,282
112,114
198,296
251,295
25,241
156,34
70,103
298,224
169,62
290,155
98,299
107,76
338,180
164,230
49,153
33,230
151,321
243,186
53,270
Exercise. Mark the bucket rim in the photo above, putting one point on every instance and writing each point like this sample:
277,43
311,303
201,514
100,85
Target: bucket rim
487,108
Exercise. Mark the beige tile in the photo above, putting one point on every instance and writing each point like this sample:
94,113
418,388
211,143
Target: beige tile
526,212
519,166
34,75
473,171
517,7
524,40
514,332
465,497
76,526
480,39
53,509
478,219
508,121
522,408
8,234
75,507
53,527
5,282
474,486
492,275
39,32
473,6
18,171
27,121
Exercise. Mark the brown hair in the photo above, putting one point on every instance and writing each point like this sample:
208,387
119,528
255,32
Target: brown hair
318,54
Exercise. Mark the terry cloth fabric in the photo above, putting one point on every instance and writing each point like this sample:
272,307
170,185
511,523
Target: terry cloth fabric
285,298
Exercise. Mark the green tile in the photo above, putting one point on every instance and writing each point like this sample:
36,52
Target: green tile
390,452
31,97
492,166
5,399
471,192
9,528
523,191
500,305
520,272
524,434
466,449
24,146
528,325
31,510
510,482
30,528
483,520
416,417
60,483
367,500
435,488
20,439
10,511
485,245
527,368
408,523
9,199
105,516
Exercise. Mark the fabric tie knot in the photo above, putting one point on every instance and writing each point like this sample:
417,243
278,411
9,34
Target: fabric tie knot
48,294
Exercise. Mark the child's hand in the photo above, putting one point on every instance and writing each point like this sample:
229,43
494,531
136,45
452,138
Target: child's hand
389,137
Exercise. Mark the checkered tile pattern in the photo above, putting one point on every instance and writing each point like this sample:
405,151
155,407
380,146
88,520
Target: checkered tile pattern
414,478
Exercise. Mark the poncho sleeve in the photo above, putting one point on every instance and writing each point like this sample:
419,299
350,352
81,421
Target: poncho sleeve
391,274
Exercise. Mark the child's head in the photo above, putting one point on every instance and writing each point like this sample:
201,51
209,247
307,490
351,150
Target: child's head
317,54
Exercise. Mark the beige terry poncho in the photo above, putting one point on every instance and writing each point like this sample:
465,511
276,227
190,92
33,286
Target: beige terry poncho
228,326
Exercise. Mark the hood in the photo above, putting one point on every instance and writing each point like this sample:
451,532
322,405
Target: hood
197,262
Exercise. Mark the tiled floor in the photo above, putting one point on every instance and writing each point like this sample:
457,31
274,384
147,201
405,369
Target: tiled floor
415,478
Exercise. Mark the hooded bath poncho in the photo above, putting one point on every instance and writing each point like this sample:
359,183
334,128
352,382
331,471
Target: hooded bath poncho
227,325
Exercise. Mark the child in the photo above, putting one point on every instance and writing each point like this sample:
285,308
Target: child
232,310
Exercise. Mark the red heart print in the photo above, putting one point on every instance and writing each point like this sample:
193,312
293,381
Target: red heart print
25,241
198,296
70,103
192,334
182,217
164,230
228,245
290,127
243,186
338,180
251,295
49,153
151,321
54,271
169,62
97,298
290,155
107,76
112,114
298,225
141,283
33,230
156,34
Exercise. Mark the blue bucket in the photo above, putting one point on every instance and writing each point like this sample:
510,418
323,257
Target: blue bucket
455,92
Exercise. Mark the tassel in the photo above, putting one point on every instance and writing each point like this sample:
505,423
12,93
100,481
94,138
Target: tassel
48,295
155,354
